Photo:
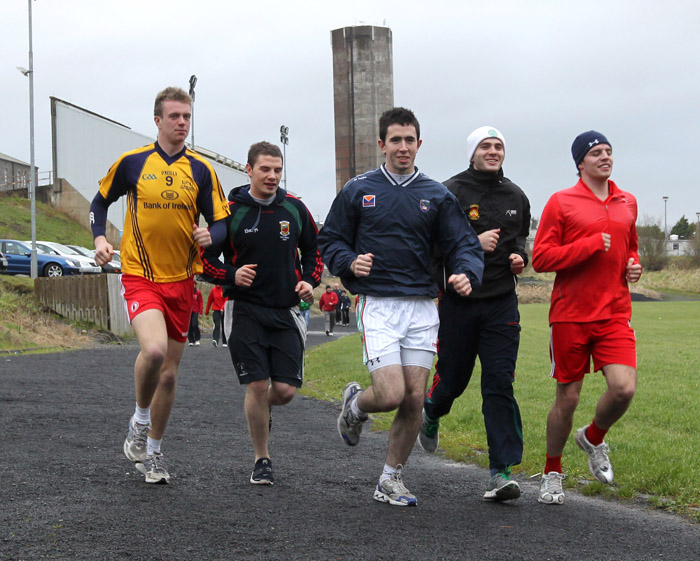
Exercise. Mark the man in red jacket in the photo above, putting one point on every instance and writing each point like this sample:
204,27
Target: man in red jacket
328,303
587,235
217,301
193,335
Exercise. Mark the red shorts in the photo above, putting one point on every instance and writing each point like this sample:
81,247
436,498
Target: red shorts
571,346
173,299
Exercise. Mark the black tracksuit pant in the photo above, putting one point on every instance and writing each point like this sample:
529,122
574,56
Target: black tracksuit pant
218,317
490,329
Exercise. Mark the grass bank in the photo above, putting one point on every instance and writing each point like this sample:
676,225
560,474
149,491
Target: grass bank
654,447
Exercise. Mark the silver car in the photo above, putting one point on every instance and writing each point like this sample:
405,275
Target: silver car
87,264
114,266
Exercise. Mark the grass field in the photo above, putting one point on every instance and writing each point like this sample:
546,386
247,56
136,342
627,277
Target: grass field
654,448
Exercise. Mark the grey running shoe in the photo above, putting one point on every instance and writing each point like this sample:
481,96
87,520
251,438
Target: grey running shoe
154,469
214,342
598,461
551,492
349,424
262,472
394,492
429,436
135,443
502,487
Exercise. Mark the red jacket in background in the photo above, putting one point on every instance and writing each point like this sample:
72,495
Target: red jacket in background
328,301
591,283
197,302
216,299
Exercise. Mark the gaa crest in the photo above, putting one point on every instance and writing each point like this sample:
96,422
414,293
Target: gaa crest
473,212
284,229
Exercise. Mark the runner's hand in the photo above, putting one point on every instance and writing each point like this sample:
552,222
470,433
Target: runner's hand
245,275
362,265
201,236
461,284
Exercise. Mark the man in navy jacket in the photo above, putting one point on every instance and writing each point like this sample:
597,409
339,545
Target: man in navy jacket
378,238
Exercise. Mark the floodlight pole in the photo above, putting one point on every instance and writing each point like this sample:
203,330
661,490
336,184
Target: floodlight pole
193,83
32,168
665,227
284,138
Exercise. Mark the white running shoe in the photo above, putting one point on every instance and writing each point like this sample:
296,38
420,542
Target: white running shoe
598,461
551,492
394,492
349,424
135,443
154,469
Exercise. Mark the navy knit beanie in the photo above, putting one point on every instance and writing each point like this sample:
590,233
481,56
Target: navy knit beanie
584,142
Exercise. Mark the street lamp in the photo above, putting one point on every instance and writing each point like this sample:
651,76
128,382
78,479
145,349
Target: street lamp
32,169
284,138
697,229
665,228
193,83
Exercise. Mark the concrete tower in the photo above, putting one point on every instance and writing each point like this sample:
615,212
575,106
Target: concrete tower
363,88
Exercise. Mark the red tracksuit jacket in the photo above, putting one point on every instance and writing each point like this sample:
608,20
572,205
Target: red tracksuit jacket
590,284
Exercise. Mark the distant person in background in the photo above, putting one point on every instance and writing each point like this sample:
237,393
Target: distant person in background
587,235
338,292
487,322
217,302
328,303
160,257
270,263
344,307
194,335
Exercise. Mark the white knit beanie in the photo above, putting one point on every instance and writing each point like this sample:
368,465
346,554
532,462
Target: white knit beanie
477,136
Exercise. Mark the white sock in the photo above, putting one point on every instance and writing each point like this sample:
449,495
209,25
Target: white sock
356,409
142,415
388,472
152,446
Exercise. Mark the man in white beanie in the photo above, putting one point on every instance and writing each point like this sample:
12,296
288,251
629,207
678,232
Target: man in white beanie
487,322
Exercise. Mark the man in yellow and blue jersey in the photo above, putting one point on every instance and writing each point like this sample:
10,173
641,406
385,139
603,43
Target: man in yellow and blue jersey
167,188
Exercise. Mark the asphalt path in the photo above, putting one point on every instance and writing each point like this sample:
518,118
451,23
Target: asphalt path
67,492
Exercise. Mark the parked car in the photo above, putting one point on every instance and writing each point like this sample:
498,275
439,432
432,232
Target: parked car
114,266
3,263
87,264
19,261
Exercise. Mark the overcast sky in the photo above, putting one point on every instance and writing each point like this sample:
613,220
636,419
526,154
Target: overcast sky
540,71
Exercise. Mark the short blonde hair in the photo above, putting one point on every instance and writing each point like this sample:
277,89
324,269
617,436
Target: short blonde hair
170,94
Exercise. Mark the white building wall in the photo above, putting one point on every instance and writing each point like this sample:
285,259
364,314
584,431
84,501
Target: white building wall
87,144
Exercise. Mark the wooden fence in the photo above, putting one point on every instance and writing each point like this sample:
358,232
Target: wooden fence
95,298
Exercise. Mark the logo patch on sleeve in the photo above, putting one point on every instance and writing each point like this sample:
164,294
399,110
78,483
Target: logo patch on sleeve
368,201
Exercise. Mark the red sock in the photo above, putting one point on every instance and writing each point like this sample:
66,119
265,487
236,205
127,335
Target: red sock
552,464
595,434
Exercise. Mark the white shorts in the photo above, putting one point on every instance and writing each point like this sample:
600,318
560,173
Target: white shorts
399,330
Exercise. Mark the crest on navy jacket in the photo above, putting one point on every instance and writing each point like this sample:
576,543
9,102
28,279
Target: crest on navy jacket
424,205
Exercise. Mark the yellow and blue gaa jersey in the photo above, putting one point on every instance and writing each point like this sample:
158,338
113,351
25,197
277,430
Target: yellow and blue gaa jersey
165,196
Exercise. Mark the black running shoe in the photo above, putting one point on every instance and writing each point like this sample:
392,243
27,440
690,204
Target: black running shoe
262,472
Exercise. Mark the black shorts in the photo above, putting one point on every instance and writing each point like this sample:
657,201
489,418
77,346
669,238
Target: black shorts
267,343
